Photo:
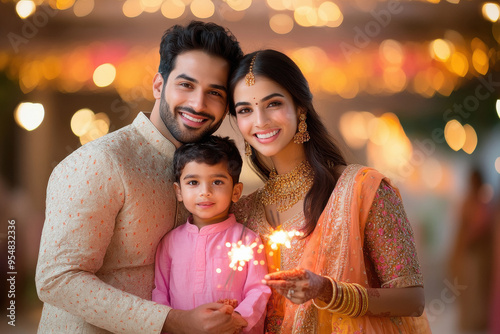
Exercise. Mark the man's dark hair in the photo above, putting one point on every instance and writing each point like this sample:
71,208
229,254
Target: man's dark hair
205,36
211,151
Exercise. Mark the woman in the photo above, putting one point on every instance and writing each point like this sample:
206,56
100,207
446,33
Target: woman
355,269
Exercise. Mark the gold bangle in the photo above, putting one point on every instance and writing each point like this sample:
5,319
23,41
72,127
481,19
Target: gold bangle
346,299
339,297
352,302
359,302
364,309
334,295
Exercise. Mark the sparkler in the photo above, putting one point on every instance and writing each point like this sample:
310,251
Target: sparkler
280,237
240,254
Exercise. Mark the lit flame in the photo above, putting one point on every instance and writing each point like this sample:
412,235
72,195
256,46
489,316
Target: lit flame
240,254
280,237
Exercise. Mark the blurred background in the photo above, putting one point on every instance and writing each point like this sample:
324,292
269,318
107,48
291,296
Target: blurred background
411,88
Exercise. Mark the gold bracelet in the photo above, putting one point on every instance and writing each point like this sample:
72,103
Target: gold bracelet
334,295
346,299
359,301
339,297
352,303
364,293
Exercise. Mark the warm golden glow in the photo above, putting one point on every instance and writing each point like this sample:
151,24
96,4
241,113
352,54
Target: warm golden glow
151,6
440,50
470,139
239,5
480,61
454,134
305,16
83,7
97,129
459,64
279,4
281,23
104,75
354,126
132,8
395,79
433,172
330,13
82,121
389,149
25,8
173,9
202,9
64,4
29,115
392,52
379,131
491,11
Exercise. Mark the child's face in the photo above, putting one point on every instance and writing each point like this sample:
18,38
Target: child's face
207,192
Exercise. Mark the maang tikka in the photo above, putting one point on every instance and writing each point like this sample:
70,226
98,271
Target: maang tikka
303,135
250,78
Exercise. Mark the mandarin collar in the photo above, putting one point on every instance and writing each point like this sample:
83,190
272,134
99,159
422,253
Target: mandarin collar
152,135
212,228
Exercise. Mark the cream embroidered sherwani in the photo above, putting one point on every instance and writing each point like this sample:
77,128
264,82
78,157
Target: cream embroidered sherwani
108,205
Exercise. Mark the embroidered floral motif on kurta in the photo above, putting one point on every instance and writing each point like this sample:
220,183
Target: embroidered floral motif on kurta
108,205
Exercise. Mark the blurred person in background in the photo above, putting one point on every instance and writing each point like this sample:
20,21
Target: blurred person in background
471,258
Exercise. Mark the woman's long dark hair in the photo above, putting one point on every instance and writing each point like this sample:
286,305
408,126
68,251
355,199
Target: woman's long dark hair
321,151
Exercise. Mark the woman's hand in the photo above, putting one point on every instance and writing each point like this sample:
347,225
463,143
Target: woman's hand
300,285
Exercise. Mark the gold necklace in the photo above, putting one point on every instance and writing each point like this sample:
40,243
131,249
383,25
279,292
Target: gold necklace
287,189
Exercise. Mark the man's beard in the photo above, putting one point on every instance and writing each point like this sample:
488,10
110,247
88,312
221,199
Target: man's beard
188,135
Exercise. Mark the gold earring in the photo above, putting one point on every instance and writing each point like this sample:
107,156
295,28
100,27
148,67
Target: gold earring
248,149
303,135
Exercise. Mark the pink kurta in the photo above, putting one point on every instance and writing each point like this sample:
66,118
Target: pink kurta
192,268
108,205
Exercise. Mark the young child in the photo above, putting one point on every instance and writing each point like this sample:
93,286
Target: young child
192,261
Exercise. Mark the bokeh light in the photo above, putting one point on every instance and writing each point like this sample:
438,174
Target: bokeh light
470,143
491,11
25,8
29,115
173,9
281,23
202,9
454,134
104,75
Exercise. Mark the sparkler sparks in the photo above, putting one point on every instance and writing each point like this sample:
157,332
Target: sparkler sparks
240,254
280,237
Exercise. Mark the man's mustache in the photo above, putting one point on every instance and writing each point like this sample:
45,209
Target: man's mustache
191,111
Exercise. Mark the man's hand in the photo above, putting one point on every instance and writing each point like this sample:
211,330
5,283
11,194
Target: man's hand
212,318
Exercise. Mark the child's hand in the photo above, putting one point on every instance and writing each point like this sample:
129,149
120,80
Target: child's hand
227,301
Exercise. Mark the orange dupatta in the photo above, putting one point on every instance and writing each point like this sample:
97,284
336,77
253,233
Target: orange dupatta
335,249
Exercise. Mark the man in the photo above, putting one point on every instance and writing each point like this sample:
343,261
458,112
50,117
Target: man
111,201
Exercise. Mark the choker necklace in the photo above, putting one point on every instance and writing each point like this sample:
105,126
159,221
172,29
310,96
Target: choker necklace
287,189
